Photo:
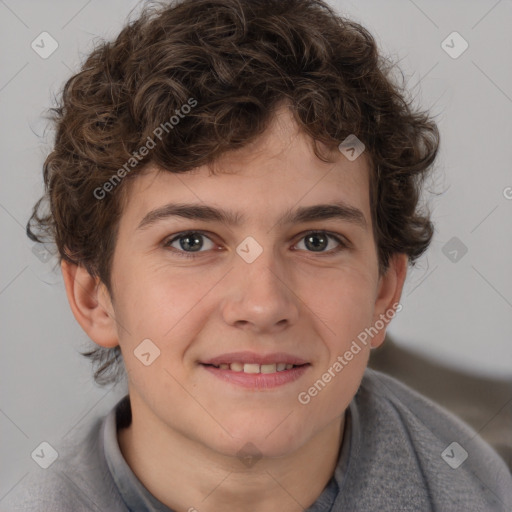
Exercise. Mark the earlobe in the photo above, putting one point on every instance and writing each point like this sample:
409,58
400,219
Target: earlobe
388,296
91,304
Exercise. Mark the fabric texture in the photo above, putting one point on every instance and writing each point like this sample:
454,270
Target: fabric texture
400,452
481,402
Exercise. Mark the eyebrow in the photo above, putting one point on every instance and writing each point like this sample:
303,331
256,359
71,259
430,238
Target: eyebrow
338,210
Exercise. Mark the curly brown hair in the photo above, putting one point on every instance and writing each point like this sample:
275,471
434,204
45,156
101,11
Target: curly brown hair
238,60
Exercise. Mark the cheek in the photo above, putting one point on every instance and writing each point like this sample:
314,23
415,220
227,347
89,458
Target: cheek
344,299
152,302
344,309
167,311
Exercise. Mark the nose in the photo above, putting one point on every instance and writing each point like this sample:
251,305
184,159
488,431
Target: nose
259,296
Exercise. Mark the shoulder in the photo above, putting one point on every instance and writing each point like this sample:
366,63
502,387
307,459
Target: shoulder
405,430
78,480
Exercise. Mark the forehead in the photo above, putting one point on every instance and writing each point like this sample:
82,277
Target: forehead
276,172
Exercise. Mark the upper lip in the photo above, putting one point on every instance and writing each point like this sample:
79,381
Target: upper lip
253,358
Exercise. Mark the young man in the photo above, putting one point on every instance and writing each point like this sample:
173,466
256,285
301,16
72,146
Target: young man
234,195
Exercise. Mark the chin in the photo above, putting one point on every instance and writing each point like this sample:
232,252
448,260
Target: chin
259,441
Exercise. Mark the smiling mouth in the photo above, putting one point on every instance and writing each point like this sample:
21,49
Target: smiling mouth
256,368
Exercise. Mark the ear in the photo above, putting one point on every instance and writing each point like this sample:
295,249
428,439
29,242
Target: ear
389,291
91,304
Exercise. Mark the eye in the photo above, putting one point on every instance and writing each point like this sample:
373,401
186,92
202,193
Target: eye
317,241
189,243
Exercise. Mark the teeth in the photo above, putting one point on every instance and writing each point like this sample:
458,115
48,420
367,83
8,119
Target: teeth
268,368
251,368
255,368
236,367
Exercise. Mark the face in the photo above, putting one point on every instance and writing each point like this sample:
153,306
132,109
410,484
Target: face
260,289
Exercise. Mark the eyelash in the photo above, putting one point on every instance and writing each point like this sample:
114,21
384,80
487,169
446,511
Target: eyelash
192,255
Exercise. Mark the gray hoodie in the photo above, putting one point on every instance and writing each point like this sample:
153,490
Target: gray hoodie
400,452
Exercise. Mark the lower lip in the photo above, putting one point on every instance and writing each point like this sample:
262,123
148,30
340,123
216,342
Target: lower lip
258,380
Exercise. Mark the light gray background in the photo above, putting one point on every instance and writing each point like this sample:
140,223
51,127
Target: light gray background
458,313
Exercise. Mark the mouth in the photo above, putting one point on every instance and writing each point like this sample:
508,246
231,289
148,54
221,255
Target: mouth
256,368
255,371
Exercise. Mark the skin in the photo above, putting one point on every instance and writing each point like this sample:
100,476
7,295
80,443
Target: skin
188,425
